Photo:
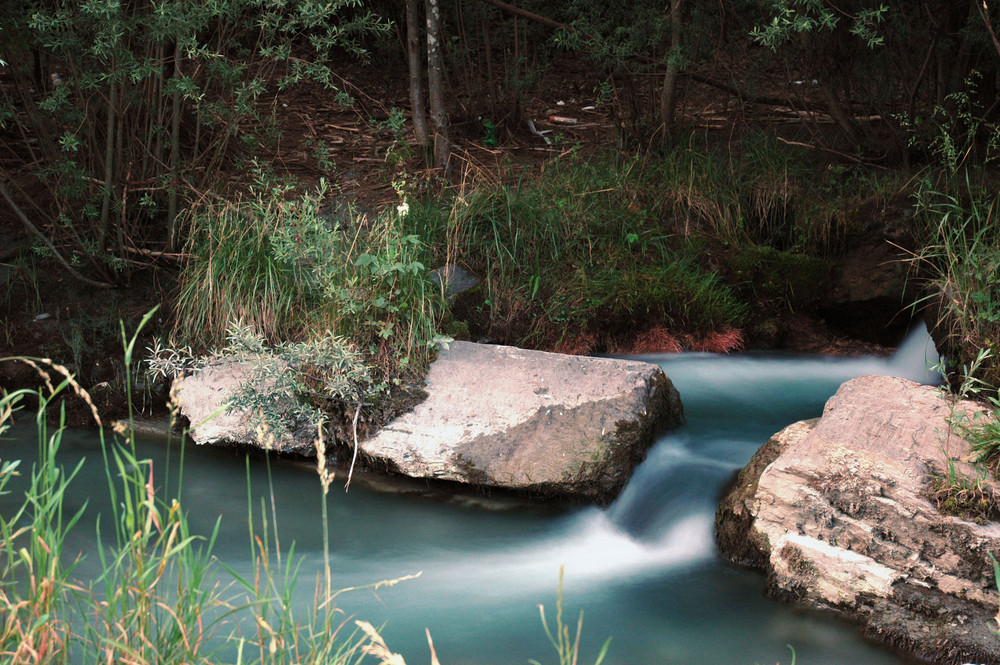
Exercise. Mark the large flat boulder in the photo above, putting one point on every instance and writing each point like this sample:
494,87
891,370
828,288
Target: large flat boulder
836,512
547,423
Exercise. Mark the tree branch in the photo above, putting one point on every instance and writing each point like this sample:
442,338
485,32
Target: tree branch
511,9
48,243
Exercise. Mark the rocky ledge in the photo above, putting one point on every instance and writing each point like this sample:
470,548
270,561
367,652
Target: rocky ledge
495,416
836,512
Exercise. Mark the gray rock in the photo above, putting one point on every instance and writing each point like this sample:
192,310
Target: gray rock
202,398
531,421
835,512
455,280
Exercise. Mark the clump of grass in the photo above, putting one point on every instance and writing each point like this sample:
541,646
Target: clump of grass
278,266
347,304
960,264
970,498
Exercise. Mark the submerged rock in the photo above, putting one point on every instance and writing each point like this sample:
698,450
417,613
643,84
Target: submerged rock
546,423
835,511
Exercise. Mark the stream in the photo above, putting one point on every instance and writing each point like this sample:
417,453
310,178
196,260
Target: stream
644,571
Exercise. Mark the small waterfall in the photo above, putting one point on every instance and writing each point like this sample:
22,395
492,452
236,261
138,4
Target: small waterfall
757,394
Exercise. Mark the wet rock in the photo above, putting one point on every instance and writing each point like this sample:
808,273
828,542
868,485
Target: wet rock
545,423
835,511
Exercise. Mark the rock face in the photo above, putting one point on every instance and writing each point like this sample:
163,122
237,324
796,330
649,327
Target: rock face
540,422
835,511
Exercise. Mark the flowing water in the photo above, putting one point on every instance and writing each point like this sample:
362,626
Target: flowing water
645,570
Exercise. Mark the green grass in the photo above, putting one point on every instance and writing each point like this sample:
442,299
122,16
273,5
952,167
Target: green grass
612,245
959,265
312,291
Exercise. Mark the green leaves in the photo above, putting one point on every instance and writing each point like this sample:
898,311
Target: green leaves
163,92
795,17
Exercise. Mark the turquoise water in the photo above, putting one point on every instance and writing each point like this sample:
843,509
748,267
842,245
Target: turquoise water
645,570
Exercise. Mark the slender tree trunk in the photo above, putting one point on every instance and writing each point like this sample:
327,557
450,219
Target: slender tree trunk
839,115
413,53
435,85
174,160
109,160
668,99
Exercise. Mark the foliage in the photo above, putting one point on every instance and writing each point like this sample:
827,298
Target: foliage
793,17
286,271
291,388
957,133
335,316
960,262
133,108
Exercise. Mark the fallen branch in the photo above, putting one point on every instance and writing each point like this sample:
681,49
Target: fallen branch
511,9
852,158
48,243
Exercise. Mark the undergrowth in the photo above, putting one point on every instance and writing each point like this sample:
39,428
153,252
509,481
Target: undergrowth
345,303
609,252
960,266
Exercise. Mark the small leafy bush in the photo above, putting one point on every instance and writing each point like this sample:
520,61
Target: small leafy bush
336,316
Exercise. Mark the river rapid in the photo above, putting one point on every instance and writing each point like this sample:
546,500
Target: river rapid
644,571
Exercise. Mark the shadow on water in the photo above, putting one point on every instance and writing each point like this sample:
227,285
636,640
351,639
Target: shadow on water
644,570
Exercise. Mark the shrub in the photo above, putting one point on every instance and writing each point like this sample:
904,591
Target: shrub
960,264
129,111
334,314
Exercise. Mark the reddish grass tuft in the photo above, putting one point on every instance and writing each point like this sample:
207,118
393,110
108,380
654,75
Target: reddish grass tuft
577,345
655,340
720,341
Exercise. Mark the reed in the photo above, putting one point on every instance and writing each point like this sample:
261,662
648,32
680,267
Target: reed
959,266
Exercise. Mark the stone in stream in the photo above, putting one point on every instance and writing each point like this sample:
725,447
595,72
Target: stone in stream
835,511
545,423
495,416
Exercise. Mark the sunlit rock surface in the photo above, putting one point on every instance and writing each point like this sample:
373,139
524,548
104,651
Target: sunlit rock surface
835,510
546,423
203,399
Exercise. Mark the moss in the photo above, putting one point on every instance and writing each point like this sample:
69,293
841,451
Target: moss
769,274
964,498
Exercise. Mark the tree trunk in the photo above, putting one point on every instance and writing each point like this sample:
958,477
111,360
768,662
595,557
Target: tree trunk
414,54
174,160
668,99
839,115
435,84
